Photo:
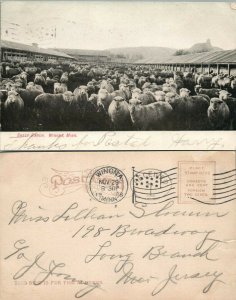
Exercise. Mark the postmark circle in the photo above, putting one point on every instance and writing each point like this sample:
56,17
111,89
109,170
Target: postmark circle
108,185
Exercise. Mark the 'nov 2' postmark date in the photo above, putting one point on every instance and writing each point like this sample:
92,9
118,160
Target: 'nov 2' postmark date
108,185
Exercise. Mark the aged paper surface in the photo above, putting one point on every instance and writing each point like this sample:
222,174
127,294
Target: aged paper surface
146,45
126,225
116,225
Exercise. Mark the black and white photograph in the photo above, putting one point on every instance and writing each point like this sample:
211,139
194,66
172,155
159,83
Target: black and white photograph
118,66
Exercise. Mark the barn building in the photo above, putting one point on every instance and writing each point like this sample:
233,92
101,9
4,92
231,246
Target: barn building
216,61
87,56
12,51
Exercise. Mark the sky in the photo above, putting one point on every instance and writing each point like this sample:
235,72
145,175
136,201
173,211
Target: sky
103,25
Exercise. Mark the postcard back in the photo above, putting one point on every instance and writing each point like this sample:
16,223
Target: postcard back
125,225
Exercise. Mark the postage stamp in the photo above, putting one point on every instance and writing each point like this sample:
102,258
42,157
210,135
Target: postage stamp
196,181
108,185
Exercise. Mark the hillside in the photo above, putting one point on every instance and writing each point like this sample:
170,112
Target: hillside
203,47
158,54
198,48
142,53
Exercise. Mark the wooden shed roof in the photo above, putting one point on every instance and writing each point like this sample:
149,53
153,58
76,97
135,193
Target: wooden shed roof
30,48
213,57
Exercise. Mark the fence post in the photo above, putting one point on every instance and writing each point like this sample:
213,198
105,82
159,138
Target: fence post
229,69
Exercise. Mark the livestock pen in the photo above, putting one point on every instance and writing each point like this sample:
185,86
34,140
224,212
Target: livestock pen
93,93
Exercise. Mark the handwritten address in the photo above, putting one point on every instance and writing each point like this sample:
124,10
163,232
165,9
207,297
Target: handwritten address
162,246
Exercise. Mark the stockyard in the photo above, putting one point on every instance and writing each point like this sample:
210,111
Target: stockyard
51,82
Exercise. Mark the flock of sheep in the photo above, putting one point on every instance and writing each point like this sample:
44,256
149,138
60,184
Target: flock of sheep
115,97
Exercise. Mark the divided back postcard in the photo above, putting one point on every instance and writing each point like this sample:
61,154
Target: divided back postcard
118,150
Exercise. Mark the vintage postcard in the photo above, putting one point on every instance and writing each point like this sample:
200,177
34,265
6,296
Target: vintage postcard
94,75
143,225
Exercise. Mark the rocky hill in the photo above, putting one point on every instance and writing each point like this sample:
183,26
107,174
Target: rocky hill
203,47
